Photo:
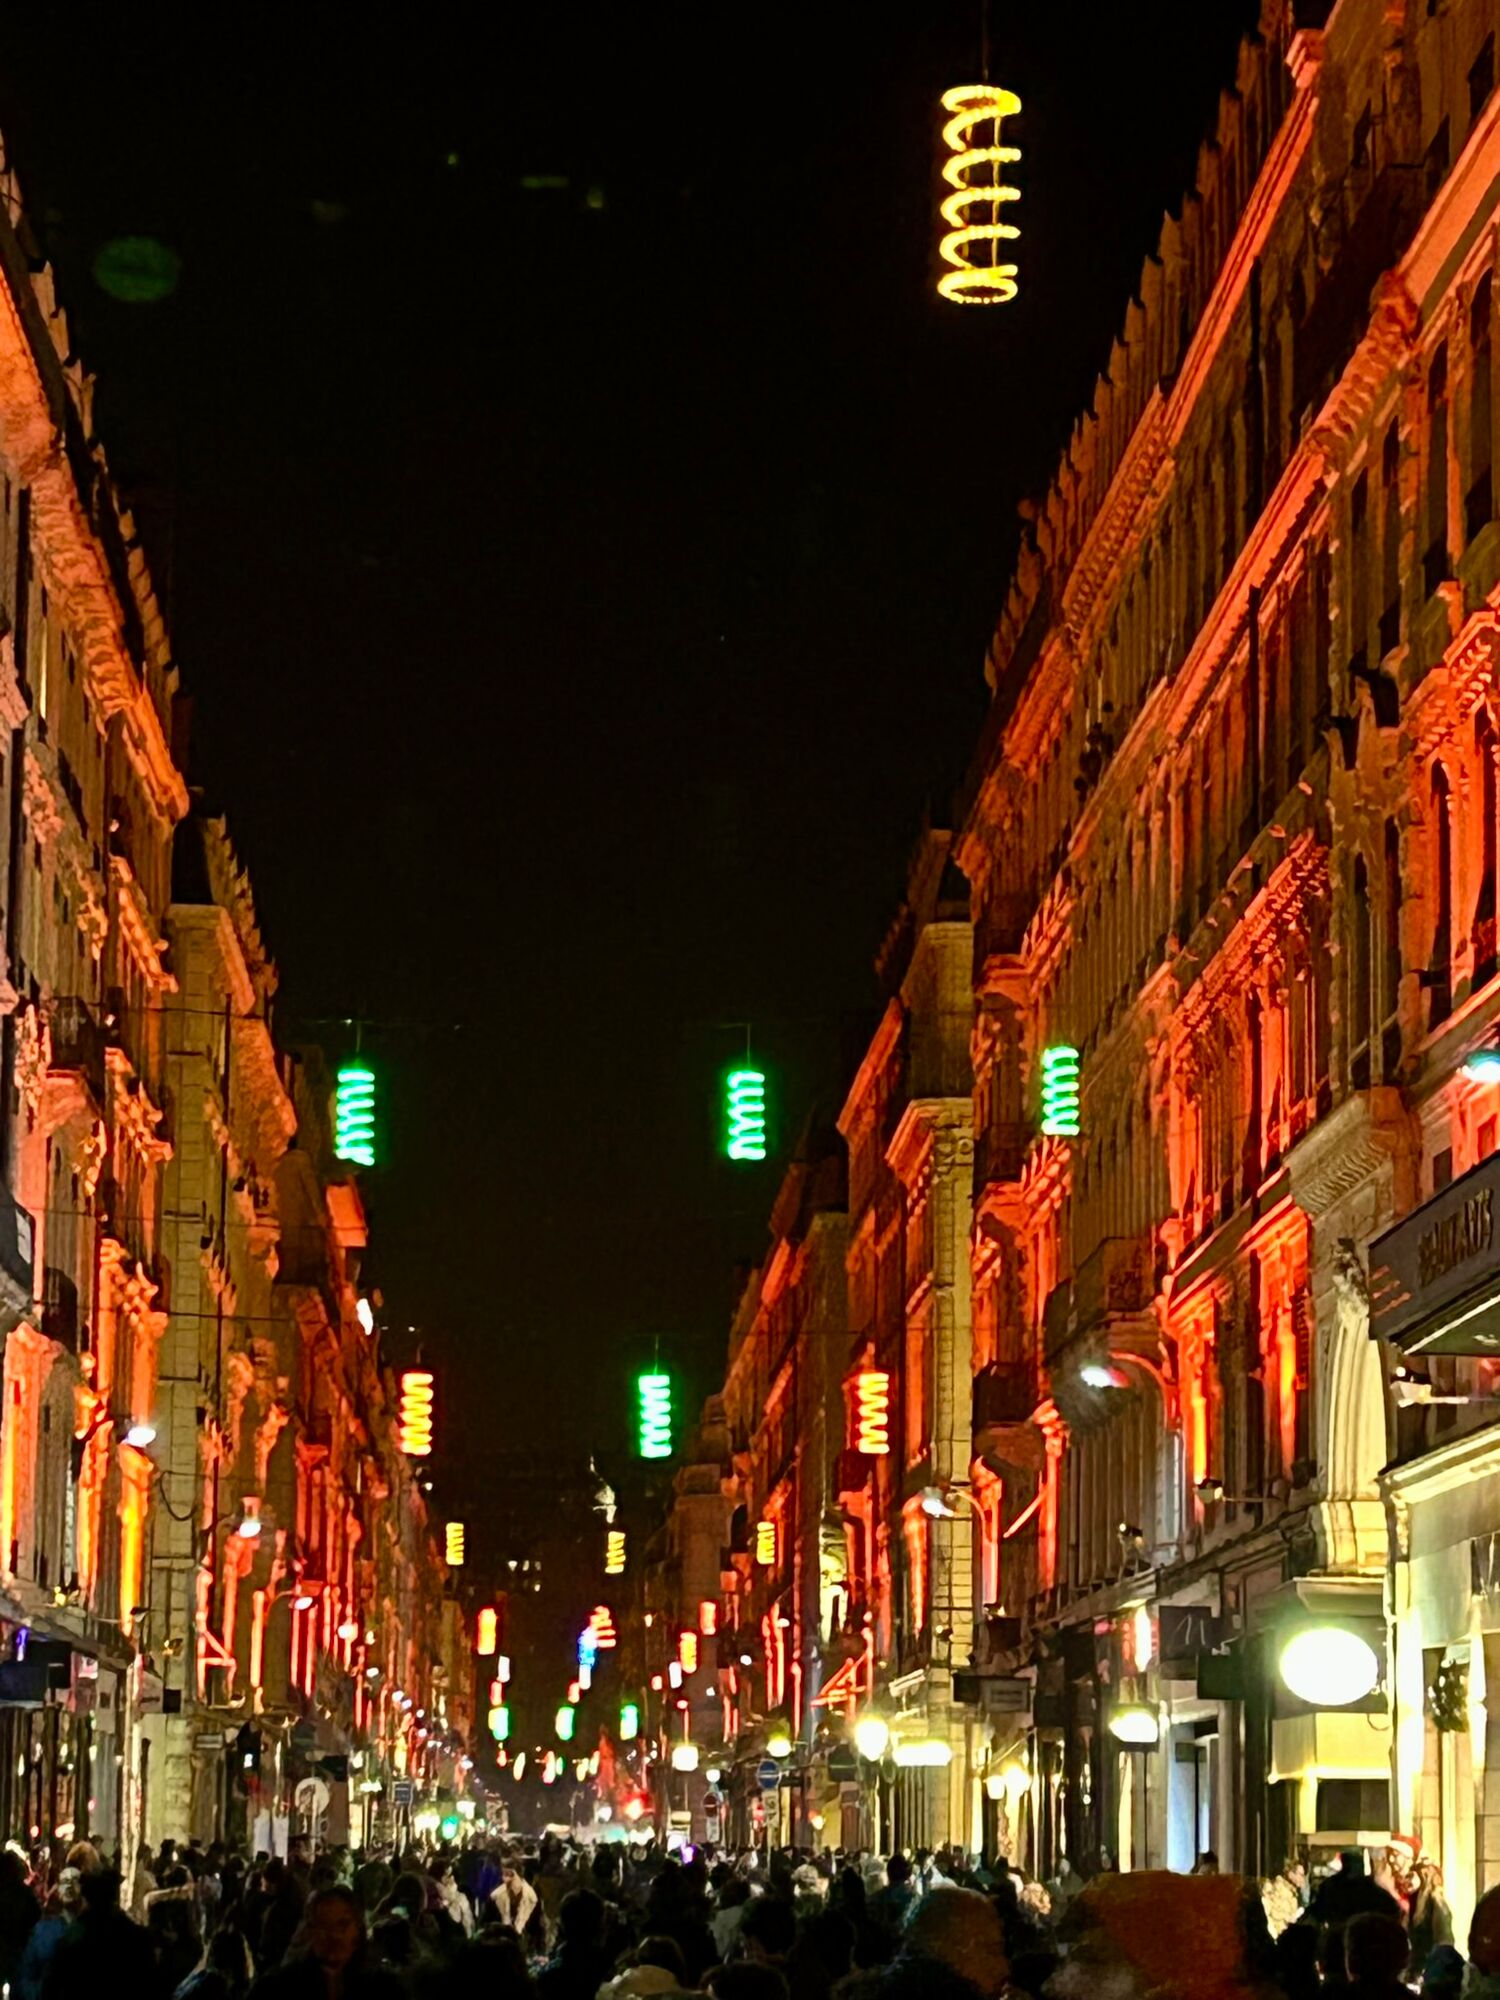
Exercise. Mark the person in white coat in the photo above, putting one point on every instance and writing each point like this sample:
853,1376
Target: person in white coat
513,1899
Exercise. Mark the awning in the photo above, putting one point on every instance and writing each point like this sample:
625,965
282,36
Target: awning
1434,1281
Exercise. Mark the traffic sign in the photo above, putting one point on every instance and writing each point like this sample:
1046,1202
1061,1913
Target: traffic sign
403,1791
768,1774
311,1797
711,1801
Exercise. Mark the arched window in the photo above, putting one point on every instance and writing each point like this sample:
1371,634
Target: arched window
1391,939
1479,494
1435,563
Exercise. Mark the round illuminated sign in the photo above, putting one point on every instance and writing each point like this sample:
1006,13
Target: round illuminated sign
1136,1725
1329,1666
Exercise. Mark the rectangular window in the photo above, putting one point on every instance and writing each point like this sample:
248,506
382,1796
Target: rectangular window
1390,543
1479,499
1359,573
1482,77
1435,564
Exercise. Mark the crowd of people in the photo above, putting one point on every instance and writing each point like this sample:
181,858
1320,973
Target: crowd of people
559,1919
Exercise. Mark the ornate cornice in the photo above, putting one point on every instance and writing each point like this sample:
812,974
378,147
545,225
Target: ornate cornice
1359,1139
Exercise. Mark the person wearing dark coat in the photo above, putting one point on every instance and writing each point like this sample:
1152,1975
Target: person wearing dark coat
953,1948
19,1912
330,1959
105,1953
1350,1892
580,1965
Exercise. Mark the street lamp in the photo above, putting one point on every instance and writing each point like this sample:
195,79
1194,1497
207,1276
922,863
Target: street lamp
778,1743
1329,1666
872,1736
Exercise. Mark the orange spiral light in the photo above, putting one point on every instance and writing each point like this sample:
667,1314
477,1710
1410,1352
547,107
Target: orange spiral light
416,1412
872,1412
974,211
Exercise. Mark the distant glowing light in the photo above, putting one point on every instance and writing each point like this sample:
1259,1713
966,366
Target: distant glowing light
1142,1638
364,1312
486,1632
778,1743
872,1736
141,1435
1482,1066
354,1115
872,1412
500,1722
630,1722
1060,1092
745,1114
614,1552
566,1716
974,211
684,1756
687,1652
502,1667
416,1412
137,270
708,1617
250,1523
654,1397
575,1691
765,1544
454,1544
602,1624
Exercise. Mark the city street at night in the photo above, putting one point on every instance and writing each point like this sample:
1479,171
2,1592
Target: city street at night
750,1003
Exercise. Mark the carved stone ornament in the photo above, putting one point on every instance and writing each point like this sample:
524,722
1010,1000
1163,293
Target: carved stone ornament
33,1057
89,1157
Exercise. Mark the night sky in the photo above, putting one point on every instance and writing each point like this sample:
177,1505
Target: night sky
584,590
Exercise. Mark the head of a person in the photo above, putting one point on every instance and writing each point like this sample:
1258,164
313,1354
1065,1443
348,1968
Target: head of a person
580,1917
897,1870
733,1891
665,1953
101,1892
1207,1863
1484,1932
84,1856
229,1955
1376,1947
962,1930
408,1896
1295,1870
14,1867
826,1941
333,1928
70,1890
768,1929
1352,1861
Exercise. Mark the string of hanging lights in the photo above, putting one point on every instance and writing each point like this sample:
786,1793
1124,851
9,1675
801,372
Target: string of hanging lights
975,210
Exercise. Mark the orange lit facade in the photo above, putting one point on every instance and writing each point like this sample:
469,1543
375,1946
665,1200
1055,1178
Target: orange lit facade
908,1126
1232,835
753,1560
156,1379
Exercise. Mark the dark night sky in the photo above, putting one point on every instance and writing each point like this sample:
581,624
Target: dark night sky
585,592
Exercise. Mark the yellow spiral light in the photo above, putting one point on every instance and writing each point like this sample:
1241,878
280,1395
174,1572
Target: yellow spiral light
872,1388
974,211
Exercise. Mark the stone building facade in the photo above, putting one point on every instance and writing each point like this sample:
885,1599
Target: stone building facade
146,1125
1231,835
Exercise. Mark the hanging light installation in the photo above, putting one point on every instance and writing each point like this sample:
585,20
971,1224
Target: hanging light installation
354,1114
416,1412
654,1399
1060,1092
745,1114
486,1632
687,1651
765,1544
975,210
614,1552
453,1544
872,1412
602,1624
630,1721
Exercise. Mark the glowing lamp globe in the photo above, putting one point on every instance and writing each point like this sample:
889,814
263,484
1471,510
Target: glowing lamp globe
994,1786
684,1756
926,1753
1328,1666
778,1744
872,1737
1135,1724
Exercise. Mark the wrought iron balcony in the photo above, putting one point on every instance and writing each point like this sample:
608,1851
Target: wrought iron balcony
78,1043
1004,1393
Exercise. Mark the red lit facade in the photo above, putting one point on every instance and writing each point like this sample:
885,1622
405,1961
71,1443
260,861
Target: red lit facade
176,1274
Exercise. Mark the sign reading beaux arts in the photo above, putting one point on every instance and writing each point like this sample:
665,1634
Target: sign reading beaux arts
1435,1278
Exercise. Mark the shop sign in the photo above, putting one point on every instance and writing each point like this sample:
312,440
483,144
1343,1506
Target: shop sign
1434,1285
1184,1631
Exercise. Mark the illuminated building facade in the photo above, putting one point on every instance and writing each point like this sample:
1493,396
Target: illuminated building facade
1232,836
908,1126
754,1546
156,1378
